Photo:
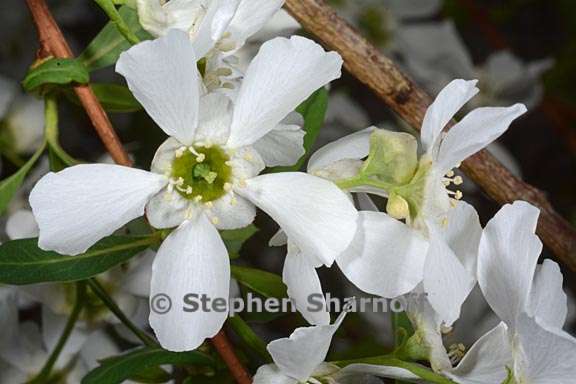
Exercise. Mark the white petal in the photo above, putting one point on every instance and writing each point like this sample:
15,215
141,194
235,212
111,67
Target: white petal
487,359
548,302
251,17
352,372
463,234
192,260
299,355
218,16
167,209
302,281
215,118
366,203
548,355
21,225
508,253
164,156
80,205
232,212
447,103
474,132
446,280
355,146
316,215
386,257
281,76
162,75
246,163
284,145
270,374
279,239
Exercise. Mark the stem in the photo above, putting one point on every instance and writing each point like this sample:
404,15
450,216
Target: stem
386,360
44,374
110,9
51,131
226,351
99,291
252,340
52,42
365,61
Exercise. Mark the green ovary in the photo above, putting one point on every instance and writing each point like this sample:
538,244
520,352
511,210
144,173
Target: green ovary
203,180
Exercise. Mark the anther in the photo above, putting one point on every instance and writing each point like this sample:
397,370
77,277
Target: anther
198,198
458,180
209,204
215,220
227,187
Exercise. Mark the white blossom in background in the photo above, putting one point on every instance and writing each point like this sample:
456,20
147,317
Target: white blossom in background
21,117
205,176
217,29
504,78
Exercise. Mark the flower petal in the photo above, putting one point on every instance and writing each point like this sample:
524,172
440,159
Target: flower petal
315,214
487,359
232,212
355,146
80,205
303,284
218,17
299,355
447,103
215,118
474,132
508,253
21,225
250,17
162,75
549,355
463,233
548,302
446,280
167,209
270,374
284,145
386,257
192,260
281,76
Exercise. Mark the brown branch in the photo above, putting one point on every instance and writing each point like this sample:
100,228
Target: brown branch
410,102
52,43
226,351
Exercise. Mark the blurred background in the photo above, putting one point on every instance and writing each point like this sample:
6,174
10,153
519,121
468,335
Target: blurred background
520,50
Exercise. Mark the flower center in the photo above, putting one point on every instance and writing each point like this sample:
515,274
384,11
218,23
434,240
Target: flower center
201,173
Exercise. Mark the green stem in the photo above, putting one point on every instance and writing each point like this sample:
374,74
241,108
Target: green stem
51,132
44,374
390,361
248,337
110,9
99,291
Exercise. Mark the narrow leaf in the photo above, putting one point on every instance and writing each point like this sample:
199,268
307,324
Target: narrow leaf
113,97
264,283
235,239
107,46
56,71
120,368
22,262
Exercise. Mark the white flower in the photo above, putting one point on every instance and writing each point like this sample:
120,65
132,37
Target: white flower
217,28
436,245
530,301
504,78
300,359
204,177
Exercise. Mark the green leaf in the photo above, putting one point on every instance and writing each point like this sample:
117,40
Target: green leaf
313,110
109,7
235,239
249,338
264,283
10,185
56,71
107,46
22,262
120,368
113,97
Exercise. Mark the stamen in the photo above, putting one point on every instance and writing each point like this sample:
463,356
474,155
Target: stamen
227,187
215,220
223,71
242,183
456,352
248,156
228,85
209,205
198,198
180,151
233,201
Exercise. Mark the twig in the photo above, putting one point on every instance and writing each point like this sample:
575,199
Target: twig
410,102
52,43
226,351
